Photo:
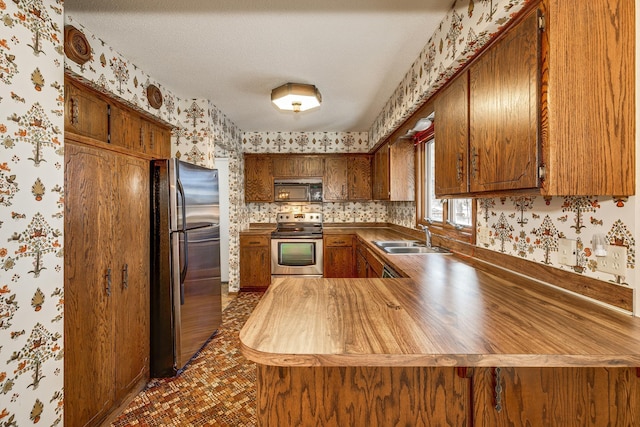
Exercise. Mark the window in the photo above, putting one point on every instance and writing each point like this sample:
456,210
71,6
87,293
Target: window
453,218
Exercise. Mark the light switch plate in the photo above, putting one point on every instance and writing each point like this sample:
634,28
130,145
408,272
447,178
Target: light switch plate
484,236
567,252
615,262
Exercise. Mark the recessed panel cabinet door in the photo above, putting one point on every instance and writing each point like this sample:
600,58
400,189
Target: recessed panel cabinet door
452,138
89,285
504,108
258,184
360,178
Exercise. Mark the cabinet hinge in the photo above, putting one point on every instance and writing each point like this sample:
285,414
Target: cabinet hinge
542,24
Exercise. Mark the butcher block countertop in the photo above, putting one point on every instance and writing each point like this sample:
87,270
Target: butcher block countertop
447,313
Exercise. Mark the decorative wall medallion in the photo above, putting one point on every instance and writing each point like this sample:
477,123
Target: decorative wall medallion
154,96
76,46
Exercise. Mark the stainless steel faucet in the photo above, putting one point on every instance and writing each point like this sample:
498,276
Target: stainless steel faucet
427,234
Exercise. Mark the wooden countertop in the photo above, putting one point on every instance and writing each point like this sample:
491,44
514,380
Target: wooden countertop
447,314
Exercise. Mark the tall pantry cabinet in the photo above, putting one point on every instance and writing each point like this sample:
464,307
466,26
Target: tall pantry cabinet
107,250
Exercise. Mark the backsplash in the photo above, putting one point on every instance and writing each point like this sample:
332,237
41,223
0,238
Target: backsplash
333,212
530,227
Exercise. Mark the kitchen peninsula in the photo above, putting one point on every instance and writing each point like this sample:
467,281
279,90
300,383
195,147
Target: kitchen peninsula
452,344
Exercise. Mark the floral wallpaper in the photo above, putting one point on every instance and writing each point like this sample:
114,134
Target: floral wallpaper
31,212
467,27
201,132
305,142
530,228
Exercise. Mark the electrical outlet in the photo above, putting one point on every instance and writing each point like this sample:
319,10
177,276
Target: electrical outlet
484,236
615,262
567,252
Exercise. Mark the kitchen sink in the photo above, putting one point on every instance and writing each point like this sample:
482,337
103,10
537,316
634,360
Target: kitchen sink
398,243
407,247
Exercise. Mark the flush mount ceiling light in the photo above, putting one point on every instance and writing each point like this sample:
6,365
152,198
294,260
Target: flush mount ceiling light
296,97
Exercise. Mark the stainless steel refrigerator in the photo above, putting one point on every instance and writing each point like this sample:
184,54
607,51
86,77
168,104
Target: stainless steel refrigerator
185,265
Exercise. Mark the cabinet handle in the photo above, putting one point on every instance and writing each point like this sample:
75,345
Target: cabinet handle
108,276
474,162
125,276
342,191
75,111
142,138
497,390
459,167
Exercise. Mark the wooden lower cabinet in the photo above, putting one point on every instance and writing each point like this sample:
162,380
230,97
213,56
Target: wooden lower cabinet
568,397
255,262
338,256
367,264
361,396
447,396
106,315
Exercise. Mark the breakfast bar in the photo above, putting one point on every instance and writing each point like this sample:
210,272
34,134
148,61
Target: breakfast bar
459,346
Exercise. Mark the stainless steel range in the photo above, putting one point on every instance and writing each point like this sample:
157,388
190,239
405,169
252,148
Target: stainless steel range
296,245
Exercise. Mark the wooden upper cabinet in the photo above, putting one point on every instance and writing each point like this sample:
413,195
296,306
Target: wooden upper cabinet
295,166
335,185
347,177
588,62
452,138
359,177
125,129
156,139
258,181
394,172
503,112
85,113
101,118
381,172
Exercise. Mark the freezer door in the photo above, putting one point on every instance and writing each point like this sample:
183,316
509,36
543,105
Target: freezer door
197,195
197,293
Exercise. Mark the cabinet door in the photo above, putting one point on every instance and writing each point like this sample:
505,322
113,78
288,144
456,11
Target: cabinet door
88,312
361,263
504,106
258,183
381,173
571,397
452,138
131,272
84,113
310,166
156,140
255,262
338,256
126,129
360,178
335,183
285,166
298,166
402,173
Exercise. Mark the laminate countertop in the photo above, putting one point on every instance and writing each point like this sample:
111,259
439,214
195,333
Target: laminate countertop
446,313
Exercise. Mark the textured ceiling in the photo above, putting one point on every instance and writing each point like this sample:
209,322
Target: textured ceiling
233,52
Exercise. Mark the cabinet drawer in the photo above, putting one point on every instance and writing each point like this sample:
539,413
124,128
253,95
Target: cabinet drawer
339,240
254,240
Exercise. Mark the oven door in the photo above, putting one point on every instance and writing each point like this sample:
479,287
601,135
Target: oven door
296,257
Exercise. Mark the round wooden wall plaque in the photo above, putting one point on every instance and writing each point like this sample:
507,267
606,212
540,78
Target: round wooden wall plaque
76,46
154,96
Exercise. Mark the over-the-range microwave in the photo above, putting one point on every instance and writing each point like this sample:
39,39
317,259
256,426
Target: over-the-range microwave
298,190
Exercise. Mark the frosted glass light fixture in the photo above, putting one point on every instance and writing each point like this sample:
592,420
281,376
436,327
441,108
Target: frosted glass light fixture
296,97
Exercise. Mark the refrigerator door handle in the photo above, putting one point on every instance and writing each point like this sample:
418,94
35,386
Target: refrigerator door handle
183,272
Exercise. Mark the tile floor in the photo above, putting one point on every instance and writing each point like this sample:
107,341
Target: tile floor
216,389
